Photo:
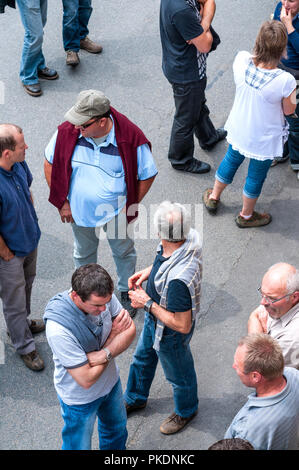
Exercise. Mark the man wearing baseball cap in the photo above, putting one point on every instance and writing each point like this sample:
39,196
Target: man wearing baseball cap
99,166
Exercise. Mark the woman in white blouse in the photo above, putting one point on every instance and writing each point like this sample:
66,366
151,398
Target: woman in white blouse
256,127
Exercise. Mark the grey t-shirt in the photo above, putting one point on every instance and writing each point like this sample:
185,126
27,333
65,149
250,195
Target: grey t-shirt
68,354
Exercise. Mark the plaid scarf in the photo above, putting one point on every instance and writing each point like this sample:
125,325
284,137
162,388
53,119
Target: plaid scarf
257,78
201,57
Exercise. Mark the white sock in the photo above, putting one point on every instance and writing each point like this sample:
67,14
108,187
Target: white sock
246,217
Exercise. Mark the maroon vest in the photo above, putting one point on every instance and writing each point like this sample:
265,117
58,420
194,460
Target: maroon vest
128,138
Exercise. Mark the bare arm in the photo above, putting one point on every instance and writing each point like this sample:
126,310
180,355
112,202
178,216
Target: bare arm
289,104
143,187
178,321
208,12
48,172
65,211
257,322
203,42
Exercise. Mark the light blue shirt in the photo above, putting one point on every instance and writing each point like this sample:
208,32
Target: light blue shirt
270,423
98,189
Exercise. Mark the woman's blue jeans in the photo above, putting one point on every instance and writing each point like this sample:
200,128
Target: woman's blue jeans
177,362
34,16
257,172
112,420
76,14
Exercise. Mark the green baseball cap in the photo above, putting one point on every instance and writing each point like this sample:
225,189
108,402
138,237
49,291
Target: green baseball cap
90,103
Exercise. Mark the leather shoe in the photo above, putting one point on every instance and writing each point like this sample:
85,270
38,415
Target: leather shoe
90,46
33,90
47,74
72,58
33,361
196,166
134,407
221,134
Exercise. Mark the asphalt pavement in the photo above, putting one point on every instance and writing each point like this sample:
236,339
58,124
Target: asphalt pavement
129,72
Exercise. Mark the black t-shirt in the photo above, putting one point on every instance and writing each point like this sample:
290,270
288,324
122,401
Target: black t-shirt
178,24
178,295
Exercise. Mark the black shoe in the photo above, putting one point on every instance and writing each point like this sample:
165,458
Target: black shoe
126,303
134,407
221,134
48,74
33,90
196,166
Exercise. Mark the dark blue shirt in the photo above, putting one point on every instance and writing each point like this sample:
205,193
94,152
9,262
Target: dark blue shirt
178,24
178,295
18,221
293,41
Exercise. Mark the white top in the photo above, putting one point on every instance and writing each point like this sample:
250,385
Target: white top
256,126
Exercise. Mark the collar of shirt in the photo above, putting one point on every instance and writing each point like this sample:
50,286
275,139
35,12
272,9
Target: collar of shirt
285,319
110,138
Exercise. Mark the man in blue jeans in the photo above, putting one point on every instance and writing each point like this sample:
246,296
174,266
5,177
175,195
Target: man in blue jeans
76,14
33,64
86,329
171,302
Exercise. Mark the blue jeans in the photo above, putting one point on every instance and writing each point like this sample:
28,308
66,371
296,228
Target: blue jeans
86,244
177,363
112,420
257,172
34,16
76,14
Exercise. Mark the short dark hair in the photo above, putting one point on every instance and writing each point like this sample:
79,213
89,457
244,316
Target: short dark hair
7,141
232,444
92,279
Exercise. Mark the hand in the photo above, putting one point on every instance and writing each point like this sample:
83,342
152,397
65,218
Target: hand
6,254
138,297
137,279
96,358
122,322
286,18
66,213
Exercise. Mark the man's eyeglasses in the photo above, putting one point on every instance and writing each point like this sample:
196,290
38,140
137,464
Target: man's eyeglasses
273,301
85,126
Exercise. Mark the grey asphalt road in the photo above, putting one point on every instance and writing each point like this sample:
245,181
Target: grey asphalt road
129,72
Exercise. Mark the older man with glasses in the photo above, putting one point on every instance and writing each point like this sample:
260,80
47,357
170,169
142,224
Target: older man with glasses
99,166
278,314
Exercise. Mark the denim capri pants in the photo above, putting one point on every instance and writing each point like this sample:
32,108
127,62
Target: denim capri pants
257,172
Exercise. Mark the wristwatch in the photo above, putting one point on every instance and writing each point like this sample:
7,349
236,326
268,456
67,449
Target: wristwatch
147,305
108,354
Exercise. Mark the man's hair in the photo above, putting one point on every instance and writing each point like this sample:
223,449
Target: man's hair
270,43
92,279
172,221
293,282
7,139
232,444
263,355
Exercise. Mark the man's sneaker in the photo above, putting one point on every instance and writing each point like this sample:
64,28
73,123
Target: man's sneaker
48,74
90,46
134,407
256,220
175,423
33,361
72,58
126,303
36,326
210,204
221,134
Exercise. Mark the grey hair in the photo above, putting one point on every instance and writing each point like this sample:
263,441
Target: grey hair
293,282
172,221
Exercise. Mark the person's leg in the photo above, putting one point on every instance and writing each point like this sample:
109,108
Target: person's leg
70,25
123,250
29,274
84,13
226,171
85,245
204,129
112,420
33,16
143,366
78,425
178,365
15,299
293,140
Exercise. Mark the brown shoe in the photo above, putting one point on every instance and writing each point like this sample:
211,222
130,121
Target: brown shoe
33,361
256,220
175,423
210,204
33,90
134,407
36,326
90,46
72,58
